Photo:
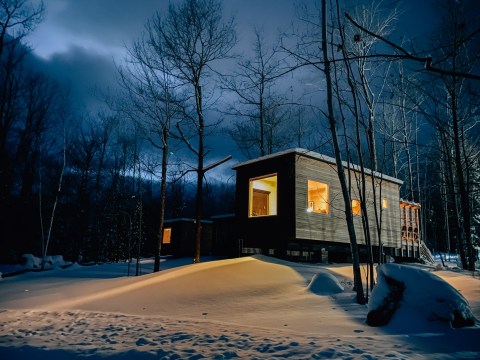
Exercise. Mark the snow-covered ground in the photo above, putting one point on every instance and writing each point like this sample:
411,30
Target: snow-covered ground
252,307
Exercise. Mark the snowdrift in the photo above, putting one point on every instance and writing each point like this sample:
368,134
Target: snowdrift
407,293
325,283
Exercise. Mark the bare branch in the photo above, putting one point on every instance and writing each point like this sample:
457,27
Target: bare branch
406,55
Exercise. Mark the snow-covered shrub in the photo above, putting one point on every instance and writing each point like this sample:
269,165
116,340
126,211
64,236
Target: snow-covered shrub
406,292
51,261
31,262
324,283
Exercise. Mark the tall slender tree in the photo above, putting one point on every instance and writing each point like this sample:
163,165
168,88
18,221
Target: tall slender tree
153,103
307,54
257,101
192,37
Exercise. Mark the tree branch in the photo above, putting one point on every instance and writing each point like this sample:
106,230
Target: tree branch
427,61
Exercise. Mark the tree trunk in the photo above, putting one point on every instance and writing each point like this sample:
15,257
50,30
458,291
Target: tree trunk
338,158
200,174
466,230
163,194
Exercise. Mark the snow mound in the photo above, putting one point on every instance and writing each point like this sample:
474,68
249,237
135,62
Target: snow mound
324,283
234,281
405,292
32,262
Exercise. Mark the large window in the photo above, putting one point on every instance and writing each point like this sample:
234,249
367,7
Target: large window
317,197
262,196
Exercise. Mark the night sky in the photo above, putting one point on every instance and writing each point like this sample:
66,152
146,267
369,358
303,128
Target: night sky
79,42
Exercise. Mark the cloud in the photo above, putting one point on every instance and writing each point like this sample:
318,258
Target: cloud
106,24
82,73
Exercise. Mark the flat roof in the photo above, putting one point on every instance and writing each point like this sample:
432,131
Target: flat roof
319,157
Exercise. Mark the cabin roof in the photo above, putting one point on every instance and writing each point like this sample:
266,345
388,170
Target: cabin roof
319,157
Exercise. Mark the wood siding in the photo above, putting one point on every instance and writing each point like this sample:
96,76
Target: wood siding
332,227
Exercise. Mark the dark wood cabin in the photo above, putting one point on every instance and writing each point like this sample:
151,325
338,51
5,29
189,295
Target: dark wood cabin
179,237
290,205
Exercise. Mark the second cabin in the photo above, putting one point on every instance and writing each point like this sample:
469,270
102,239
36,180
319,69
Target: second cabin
290,205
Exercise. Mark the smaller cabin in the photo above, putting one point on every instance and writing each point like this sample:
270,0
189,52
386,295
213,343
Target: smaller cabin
179,237
290,205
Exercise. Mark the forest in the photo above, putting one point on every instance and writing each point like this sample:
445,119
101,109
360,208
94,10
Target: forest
98,186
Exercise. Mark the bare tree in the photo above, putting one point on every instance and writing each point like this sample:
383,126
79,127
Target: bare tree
449,106
17,19
257,106
41,103
307,54
46,236
192,37
153,104
454,63
458,58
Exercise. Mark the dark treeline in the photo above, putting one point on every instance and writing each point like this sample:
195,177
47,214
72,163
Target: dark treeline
102,214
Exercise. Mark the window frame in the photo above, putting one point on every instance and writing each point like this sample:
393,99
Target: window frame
167,239
310,203
269,200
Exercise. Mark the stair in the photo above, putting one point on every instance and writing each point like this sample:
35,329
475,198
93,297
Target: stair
425,254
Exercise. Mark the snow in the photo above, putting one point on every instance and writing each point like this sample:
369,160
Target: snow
251,307
35,263
426,298
325,283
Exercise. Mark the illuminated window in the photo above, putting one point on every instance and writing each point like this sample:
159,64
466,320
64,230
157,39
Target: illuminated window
385,203
262,196
317,197
355,207
167,235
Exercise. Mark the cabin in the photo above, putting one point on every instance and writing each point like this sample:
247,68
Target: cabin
179,237
290,205
218,237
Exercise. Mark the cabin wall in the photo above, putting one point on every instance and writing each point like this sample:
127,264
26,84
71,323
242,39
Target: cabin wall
332,227
264,233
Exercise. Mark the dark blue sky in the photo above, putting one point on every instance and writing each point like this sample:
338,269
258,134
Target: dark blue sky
79,41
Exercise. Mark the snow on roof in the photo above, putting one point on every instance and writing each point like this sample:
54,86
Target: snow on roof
320,157
222,216
187,220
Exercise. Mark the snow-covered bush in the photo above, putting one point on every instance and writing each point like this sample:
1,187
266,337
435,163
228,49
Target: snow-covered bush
34,263
325,283
406,292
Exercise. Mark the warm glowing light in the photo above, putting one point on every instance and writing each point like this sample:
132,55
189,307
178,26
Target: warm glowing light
356,207
262,196
167,235
317,197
